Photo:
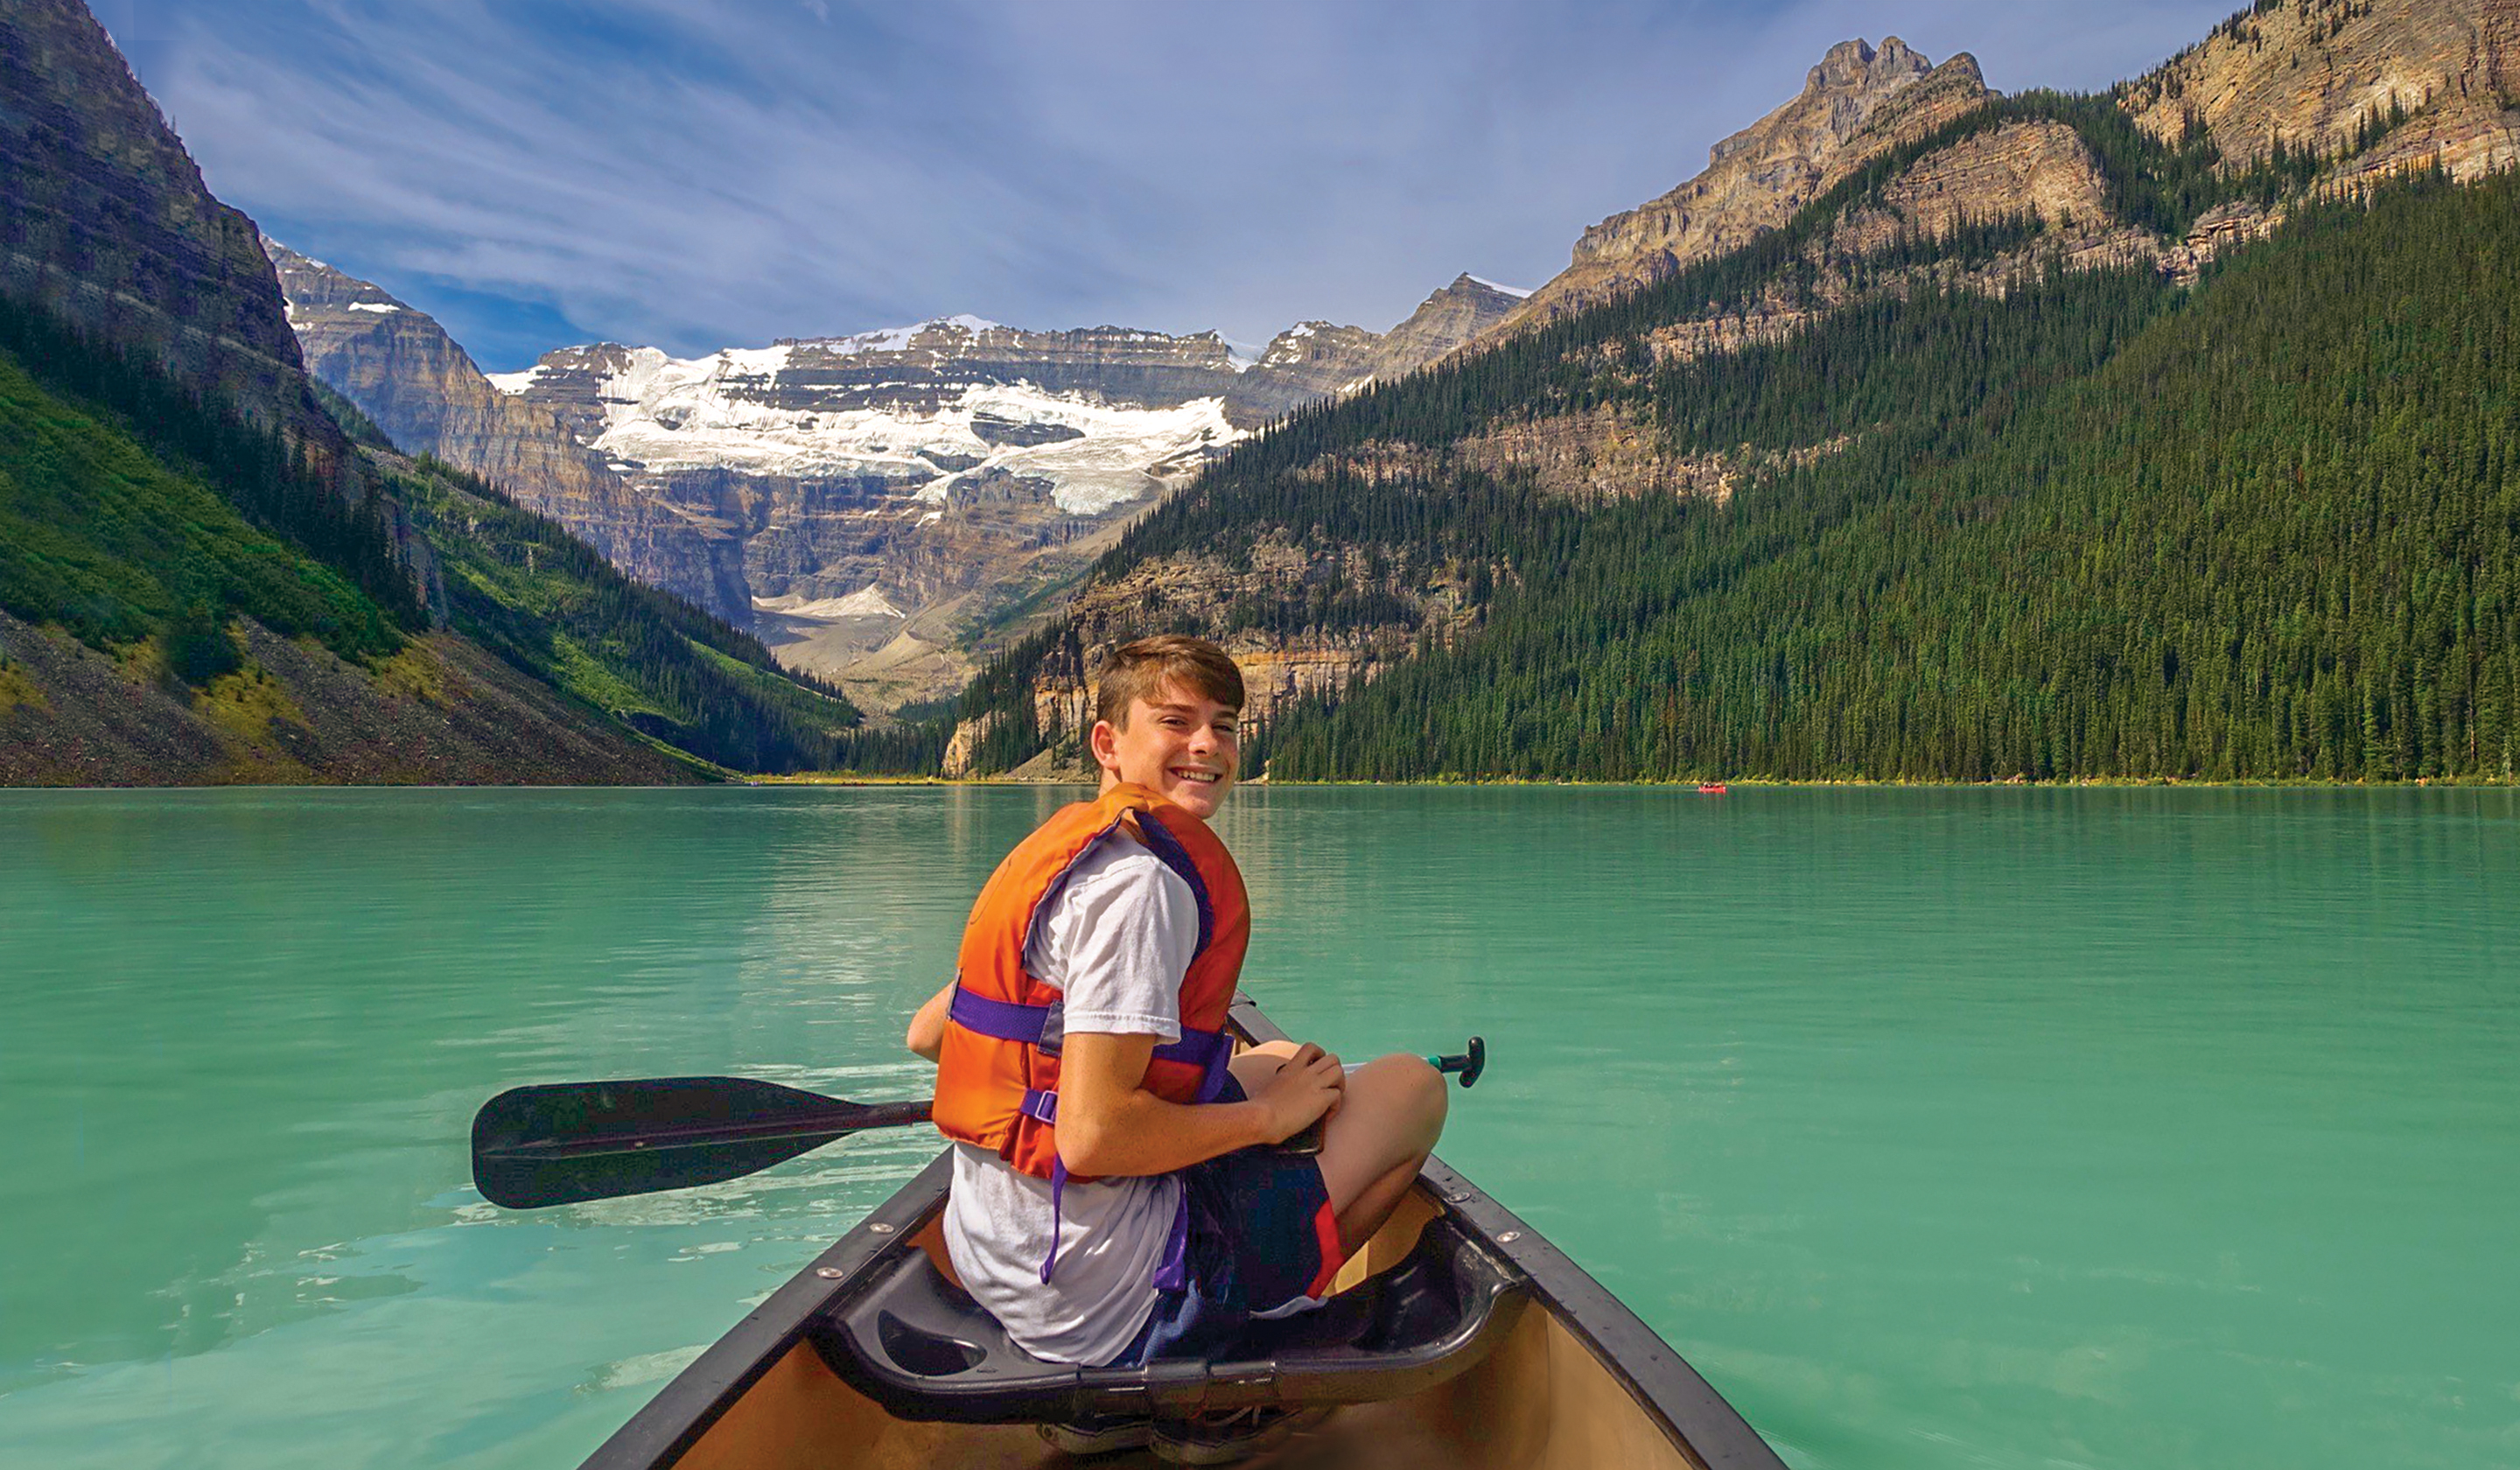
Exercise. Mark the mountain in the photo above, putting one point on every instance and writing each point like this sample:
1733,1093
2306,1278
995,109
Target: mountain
205,575
412,381
1855,105
1459,314
2041,437
870,505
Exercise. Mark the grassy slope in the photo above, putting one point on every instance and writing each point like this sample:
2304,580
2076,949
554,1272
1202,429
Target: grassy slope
100,537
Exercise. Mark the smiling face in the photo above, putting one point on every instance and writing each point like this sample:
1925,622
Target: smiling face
1180,745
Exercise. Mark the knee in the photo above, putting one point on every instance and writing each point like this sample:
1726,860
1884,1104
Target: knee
1415,1087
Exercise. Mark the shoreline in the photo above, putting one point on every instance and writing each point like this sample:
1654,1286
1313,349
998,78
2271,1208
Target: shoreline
1690,785
1687,787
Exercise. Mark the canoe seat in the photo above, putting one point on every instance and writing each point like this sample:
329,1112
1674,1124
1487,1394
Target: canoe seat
919,1345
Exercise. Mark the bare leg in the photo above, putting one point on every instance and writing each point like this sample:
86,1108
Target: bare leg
1389,1122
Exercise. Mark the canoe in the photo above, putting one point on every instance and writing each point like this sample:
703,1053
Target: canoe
1457,1339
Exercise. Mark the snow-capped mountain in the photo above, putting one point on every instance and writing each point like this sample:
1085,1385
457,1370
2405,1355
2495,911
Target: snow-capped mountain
918,408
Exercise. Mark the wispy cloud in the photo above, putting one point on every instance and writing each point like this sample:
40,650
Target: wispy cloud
699,172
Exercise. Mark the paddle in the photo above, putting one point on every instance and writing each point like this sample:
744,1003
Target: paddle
562,1142
559,1144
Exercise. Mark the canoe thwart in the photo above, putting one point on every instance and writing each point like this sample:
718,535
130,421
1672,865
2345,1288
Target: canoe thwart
915,1342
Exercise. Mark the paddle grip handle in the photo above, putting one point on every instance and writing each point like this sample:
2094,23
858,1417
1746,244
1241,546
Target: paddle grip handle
1470,1064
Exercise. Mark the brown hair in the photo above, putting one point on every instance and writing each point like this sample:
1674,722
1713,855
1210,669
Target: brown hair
1140,670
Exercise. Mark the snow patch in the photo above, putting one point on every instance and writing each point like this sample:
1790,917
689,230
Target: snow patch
866,601
1517,291
375,306
513,383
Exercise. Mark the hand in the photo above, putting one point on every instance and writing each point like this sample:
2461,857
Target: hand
1311,1085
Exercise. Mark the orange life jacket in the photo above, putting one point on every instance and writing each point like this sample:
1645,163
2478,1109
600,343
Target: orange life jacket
997,1077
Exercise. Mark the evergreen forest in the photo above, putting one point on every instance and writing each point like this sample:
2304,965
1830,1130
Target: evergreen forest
2056,524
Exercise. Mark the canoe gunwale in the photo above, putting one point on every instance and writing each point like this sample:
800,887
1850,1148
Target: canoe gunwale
670,1423
1684,1403
1684,1406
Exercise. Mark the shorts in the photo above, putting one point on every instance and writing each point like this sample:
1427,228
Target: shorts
1263,1241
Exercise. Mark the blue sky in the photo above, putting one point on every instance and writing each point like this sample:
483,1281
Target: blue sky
703,173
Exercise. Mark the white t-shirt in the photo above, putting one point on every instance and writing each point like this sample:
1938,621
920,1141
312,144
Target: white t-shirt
1116,940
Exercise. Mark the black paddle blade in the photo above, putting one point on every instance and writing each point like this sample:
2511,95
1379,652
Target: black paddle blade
562,1142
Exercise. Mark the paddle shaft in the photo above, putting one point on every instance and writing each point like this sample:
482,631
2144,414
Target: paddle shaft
838,1122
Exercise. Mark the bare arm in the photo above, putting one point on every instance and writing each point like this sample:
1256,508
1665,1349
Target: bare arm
1109,1124
927,1028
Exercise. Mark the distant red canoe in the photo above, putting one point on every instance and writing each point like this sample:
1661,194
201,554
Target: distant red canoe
1710,788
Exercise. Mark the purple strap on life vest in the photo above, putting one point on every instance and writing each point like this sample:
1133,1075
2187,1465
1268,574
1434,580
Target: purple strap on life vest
1009,1021
1172,1272
1005,1020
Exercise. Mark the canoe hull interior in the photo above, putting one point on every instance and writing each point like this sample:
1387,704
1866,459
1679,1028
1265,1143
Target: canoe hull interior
1539,1398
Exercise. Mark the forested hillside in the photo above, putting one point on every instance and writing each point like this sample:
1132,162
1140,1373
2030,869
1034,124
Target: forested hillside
1993,524
2272,536
159,526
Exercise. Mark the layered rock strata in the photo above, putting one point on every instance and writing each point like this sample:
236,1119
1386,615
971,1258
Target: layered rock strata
1200,590
2308,74
104,221
2039,170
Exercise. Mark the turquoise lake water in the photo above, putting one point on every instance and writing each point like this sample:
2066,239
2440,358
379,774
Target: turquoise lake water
2143,1128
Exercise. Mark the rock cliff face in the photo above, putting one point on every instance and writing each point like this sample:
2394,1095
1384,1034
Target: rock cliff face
1276,671
1306,363
1316,360
2306,73
1855,105
105,220
405,372
2033,169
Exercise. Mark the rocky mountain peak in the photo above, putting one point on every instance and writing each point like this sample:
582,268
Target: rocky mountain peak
1858,100
1445,321
1856,67
423,389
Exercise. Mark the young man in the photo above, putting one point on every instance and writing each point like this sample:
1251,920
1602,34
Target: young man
1117,1196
